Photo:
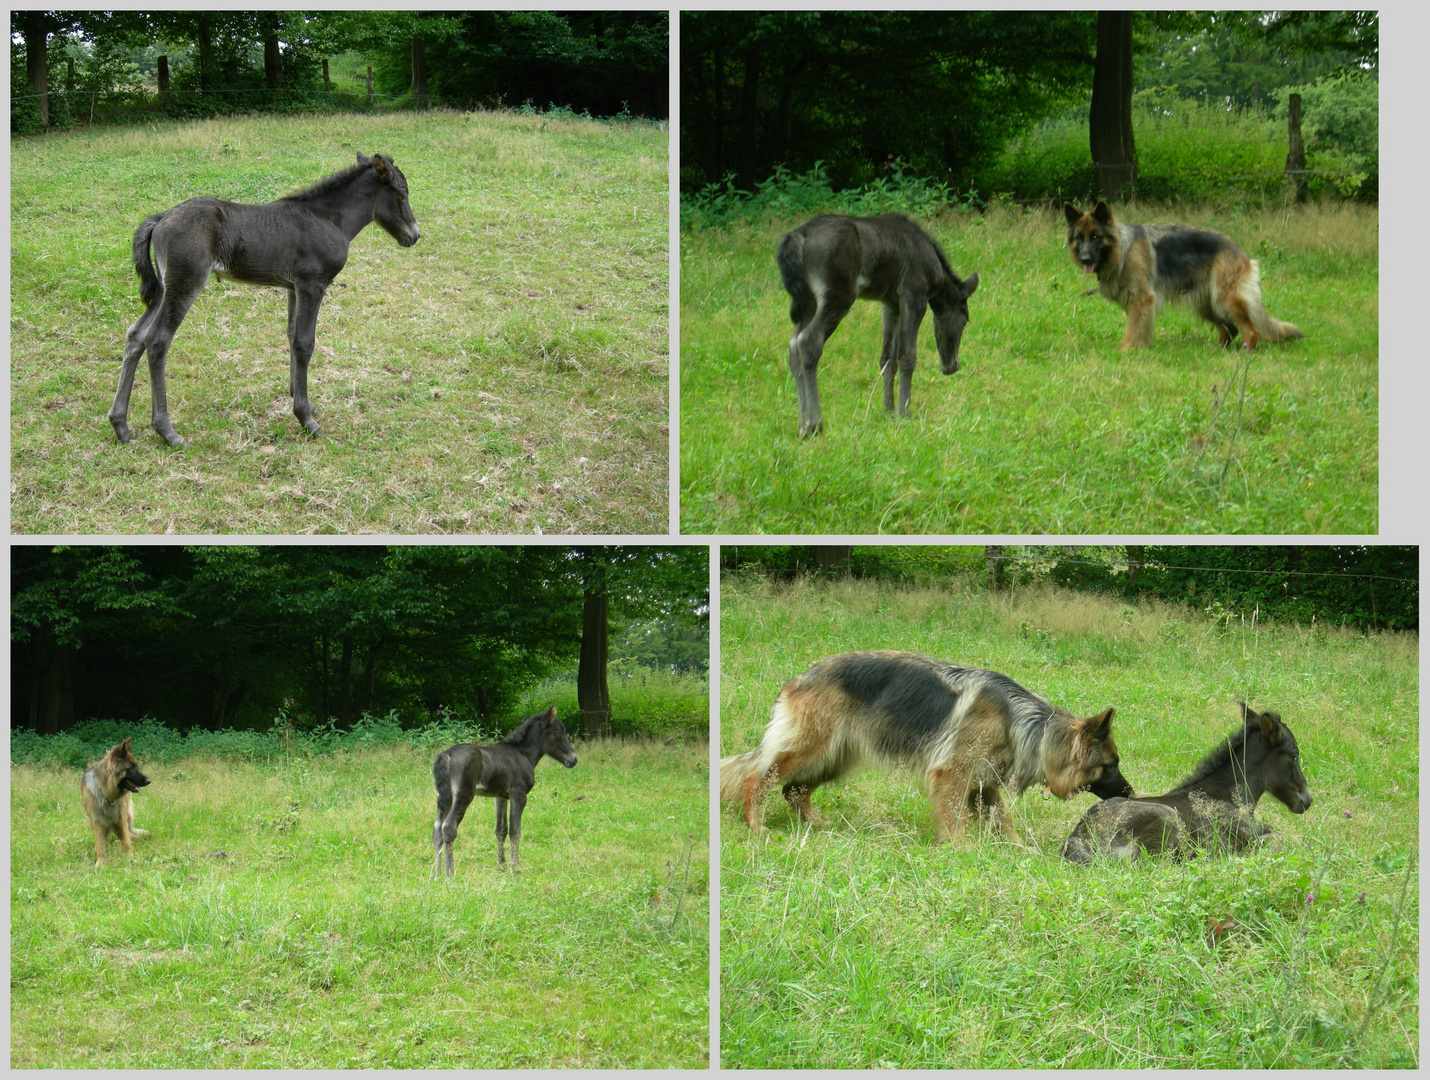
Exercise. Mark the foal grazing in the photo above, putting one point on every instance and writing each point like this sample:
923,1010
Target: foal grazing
830,261
1211,809
504,772
298,243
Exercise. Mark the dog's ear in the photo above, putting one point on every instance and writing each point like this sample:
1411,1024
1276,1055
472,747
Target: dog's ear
1072,213
1102,214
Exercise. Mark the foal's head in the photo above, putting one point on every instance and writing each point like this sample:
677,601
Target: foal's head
555,744
1279,762
392,210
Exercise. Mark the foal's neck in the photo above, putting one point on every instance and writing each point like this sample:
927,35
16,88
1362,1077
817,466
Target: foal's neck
350,207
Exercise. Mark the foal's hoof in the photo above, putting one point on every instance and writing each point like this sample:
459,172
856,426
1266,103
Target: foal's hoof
122,432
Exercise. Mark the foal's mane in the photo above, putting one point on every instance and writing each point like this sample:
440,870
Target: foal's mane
327,184
1220,758
518,734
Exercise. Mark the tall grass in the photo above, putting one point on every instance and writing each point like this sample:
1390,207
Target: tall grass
1048,428
506,375
863,944
281,915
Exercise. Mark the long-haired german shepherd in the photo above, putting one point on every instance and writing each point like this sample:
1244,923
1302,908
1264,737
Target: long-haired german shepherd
1141,268
105,791
964,731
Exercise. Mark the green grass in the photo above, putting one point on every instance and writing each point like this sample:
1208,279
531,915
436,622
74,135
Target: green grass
506,374
282,916
1048,428
864,944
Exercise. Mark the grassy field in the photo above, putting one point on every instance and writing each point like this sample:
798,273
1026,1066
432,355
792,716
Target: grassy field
507,374
1048,428
282,916
863,944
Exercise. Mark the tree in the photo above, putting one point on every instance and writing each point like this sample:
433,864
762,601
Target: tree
937,92
1114,156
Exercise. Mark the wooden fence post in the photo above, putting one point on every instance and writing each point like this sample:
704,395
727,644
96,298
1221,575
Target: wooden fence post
1296,156
163,75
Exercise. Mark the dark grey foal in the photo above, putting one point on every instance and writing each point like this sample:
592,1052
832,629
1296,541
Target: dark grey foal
1211,809
505,772
831,261
298,243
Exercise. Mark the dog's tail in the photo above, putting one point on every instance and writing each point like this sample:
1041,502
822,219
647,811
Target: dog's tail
733,771
1270,329
790,257
150,287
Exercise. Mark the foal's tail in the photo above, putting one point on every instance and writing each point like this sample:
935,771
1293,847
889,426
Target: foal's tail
150,288
790,257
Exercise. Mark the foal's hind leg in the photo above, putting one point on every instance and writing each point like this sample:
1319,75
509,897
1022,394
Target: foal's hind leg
133,350
179,296
303,303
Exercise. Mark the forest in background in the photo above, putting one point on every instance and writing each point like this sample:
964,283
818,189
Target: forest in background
216,637
72,67
1369,587
979,104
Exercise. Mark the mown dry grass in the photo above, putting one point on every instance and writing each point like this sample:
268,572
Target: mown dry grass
506,375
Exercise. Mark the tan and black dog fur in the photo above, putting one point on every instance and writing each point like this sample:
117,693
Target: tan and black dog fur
1141,268
964,731
105,791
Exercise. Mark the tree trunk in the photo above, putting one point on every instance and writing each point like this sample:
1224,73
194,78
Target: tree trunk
833,558
345,684
1296,155
206,55
749,120
1114,156
419,72
163,75
55,681
720,168
272,58
592,694
37,65
997,563
327,82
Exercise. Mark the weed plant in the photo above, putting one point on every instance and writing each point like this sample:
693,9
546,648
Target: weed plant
506,375
1048,428
282,915
864,944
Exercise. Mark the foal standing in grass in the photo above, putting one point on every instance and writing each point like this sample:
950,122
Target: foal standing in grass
298,243
504,772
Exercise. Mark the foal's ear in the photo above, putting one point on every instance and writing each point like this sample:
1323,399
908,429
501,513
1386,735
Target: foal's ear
381,166
362,158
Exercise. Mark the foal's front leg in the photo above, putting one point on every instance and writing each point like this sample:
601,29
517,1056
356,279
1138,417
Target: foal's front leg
501,834
303,303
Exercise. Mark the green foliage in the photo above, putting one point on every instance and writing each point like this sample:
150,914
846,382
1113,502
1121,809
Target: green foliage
865,944
1340,123
1187,150
786,195
645,704
338,630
